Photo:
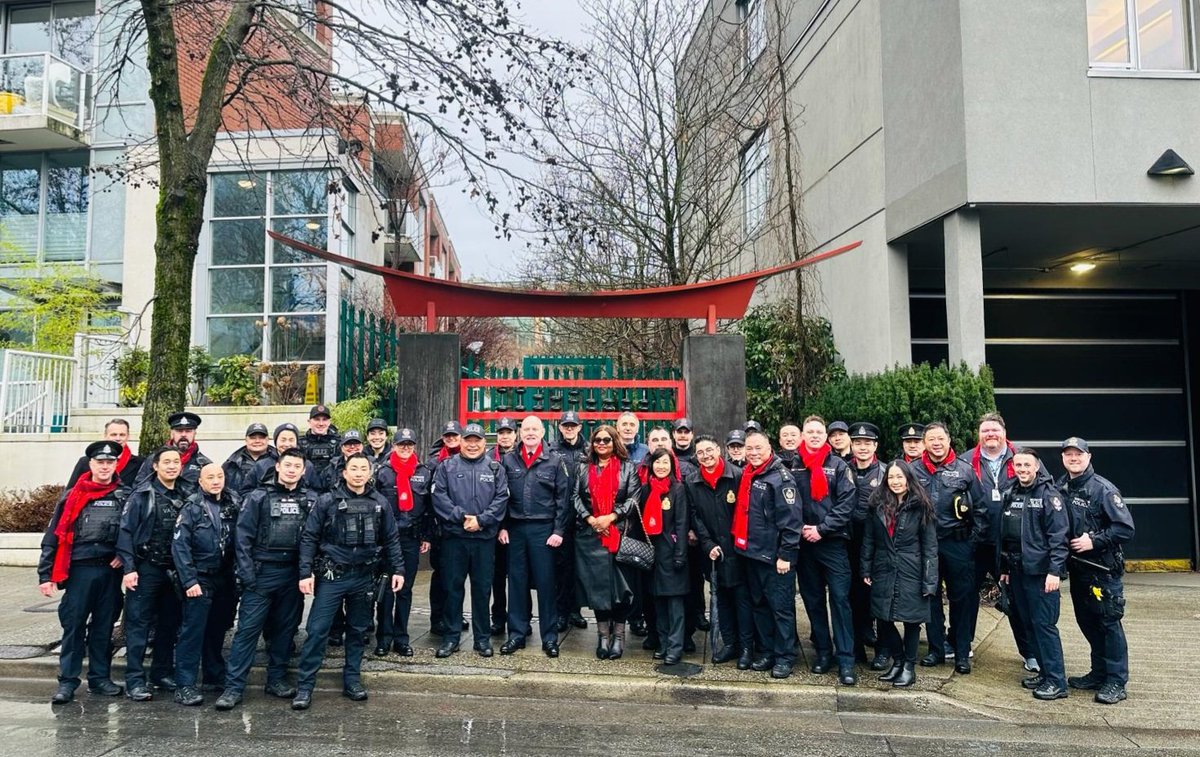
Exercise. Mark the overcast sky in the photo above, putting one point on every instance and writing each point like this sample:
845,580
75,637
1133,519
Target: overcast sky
470,226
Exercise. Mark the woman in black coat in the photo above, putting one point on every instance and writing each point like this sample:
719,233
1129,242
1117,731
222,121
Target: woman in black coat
900,564
606,491
663,504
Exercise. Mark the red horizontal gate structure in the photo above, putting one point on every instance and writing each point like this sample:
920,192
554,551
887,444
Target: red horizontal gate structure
471,392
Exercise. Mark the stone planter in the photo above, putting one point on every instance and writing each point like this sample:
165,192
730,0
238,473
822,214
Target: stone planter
20,550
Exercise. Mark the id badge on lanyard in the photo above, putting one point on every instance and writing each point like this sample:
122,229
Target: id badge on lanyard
995,495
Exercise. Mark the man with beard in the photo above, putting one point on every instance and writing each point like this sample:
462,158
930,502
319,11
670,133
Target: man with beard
183,438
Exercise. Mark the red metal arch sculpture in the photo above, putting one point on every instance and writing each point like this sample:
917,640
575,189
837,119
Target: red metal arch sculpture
414,295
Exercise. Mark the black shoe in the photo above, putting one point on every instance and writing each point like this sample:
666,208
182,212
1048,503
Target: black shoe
551,649
781,670
1089,682
869,637
303,700
497,629
907,677
381,651
745,660
106,689
638,627
659,654
1110,693
438,629
651,642
725,655
932,660
962,667
577,620
822,664
947,651
337,641
561,625
1048,692
881,661
847,676
689,646
1033,682
512,645
893,673
139,693
485,650
702,624
404,650
355,692
671,659
166,682
280,689
189,696
466,625
228,700
446,649
762,663
63,694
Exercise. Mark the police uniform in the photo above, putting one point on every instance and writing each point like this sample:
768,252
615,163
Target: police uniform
267,549
1030,534
128,472
438,454
320,449
240,466
411,505
77,553
866,481
836,426
499,614
202,550
736,438
911,432
192,458
144,547
378,458
463,487
1097,593
340,546
539,506
950,485
263,473
824,568
564,557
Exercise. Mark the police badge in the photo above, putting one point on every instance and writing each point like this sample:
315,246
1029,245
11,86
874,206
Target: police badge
731,498
789,495
666,503
1056,503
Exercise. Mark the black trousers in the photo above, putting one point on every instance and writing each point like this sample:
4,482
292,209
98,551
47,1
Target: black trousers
499,614
357,590
566,597
531,566
1104,632
956,566
985,565
476,559
735,616
154,601
825,575
670,612
698,567
437,586
860,593
774,607
276,597
1040,609
90,604
889,639
393,610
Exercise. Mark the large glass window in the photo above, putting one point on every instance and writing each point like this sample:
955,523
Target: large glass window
754,25
43,206
64,29
266,299
755,180
1143,35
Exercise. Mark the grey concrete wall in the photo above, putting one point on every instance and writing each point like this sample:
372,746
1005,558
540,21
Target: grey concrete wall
427,394
714,372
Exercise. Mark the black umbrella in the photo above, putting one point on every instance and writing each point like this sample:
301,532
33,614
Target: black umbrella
714,626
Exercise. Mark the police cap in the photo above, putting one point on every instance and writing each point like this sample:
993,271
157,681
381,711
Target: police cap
473,429
256,428
183,420
864,430
104,450
506,424
683,423
735,437
405,436
451,428
375,423
351,437
838,426
318,411
749,426
912,431
569,417
1075,442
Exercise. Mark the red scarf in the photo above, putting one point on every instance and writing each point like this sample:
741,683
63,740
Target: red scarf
712,478
977,458
891,525
123,459
602,486
814,461
446,452
84,491
404,470
929,464
652,511
741,512
186,455
528,457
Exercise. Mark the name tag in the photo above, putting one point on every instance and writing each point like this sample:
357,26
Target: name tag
487,478
289,508
995,495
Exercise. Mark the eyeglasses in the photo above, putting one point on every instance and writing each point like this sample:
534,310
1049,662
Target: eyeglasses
705,452
602,440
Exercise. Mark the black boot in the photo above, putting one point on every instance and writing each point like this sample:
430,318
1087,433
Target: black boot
603,639
907,677
893,673
617,646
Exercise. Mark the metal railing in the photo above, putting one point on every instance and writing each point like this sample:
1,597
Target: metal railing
35,392
96,382
42,83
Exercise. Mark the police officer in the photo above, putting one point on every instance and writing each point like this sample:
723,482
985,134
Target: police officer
682,436
239,467
698,564
949,481
128,464
1101,524
539,506
340,558
286,436
404,482
79,556
828,498
320,442
839,440
789,443
506,441
470,500
766,537
151,591
203,553
267,548
912,441
443,449
191,459
1031,531
735,447
573,449
351,444
377,448
869,474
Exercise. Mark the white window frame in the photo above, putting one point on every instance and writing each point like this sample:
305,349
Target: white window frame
753,17
756,180
39,255
1134,66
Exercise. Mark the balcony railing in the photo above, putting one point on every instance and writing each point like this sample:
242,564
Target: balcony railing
41,84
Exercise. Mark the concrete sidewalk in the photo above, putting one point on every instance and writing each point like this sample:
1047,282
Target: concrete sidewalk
1162,623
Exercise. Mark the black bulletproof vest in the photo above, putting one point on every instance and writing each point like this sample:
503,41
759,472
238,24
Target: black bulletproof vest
286,513
99,522
1010,524
164,511
357,522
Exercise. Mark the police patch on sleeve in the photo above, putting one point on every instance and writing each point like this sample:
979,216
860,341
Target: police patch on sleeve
1056,503
789,495
1116,500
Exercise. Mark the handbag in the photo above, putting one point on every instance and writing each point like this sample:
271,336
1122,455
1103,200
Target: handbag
635,552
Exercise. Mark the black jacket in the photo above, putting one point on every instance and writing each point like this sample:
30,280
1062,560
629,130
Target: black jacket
203,543
1096,508
128,474
832,514
148,524
866,481
96,531
263,474
1044,527
189,476
952,488
712,520
669,578
419,482
774,527
541,491
572,455
268,528
903,567
463,487
600,583
239,469
321,449
349,538
687,453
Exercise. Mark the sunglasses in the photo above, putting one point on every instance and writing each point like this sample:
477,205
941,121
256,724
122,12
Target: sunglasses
602,440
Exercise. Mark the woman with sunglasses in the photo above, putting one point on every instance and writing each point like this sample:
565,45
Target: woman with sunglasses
606,491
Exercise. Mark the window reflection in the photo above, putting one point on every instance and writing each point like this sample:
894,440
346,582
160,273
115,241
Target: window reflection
1147,35
1108,31
1162,35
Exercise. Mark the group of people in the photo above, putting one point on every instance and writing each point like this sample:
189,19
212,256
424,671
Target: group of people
630,529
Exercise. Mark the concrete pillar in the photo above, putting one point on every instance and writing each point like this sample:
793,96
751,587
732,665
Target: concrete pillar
964,288
714,372
898,319
427,394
